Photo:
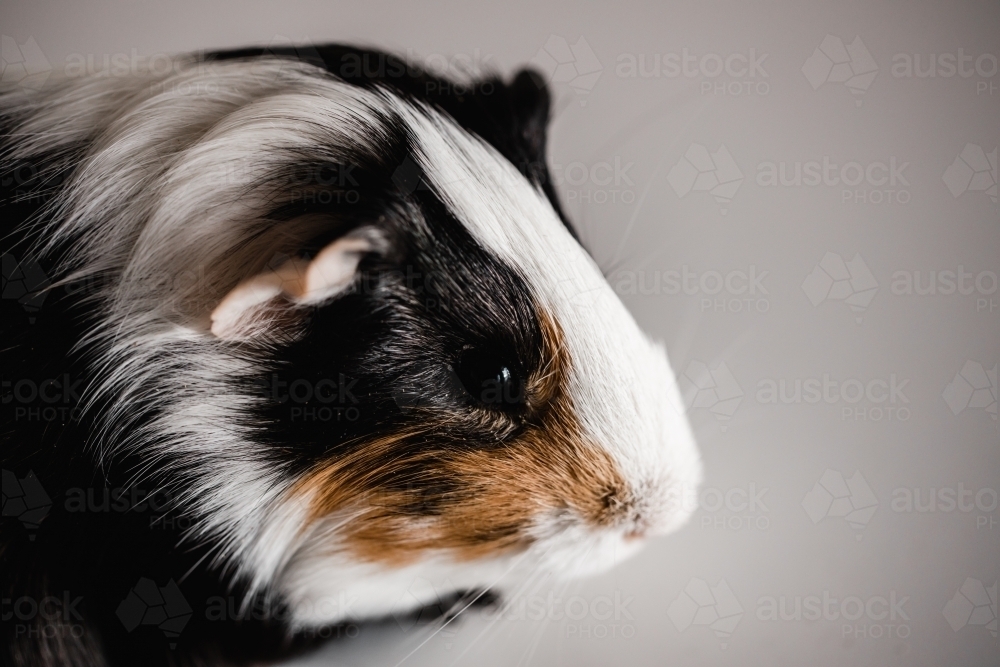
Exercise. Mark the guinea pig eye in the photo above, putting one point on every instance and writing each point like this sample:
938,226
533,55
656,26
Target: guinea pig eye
490,380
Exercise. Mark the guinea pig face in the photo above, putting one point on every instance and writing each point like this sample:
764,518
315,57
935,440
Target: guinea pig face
376,350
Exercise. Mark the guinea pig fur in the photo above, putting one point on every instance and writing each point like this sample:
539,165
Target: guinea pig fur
329,309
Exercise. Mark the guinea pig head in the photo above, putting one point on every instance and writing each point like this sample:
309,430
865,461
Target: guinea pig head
468,390
379,352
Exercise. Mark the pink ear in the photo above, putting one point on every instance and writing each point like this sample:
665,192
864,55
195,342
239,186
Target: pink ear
333,269
266,300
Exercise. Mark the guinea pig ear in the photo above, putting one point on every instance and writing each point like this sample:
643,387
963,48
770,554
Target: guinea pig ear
274,302
530,106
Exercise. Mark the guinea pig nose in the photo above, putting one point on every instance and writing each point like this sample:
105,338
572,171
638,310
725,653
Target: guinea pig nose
635,534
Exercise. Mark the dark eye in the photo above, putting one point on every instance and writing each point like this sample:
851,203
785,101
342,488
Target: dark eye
490,380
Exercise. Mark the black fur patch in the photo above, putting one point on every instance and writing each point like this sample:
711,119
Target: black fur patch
412,313
513,117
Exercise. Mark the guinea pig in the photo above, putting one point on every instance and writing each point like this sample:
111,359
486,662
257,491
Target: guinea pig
318,329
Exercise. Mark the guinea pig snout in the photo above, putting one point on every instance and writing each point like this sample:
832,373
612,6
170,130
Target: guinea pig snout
648,508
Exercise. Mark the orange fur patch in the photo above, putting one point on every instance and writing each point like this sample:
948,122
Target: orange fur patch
404,500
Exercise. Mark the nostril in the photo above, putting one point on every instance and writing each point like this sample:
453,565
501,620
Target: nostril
610,499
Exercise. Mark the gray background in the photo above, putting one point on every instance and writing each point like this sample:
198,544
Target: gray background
702,596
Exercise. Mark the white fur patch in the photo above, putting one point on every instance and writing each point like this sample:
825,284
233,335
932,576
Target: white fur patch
617,371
